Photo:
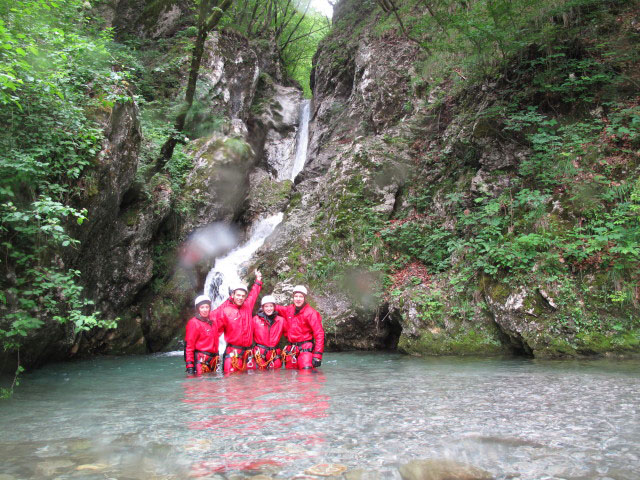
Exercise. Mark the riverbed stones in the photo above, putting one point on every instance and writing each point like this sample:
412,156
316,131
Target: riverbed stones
442,469
91,467
361,474
51,467
326,469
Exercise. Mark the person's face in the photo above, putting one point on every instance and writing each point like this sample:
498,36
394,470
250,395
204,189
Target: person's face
298,299
204,310
239,297
268,308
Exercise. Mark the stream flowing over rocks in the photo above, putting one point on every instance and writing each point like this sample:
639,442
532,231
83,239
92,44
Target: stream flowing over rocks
143,258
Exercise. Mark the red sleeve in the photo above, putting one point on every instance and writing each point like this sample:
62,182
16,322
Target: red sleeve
190,338
216,318
282,311
253,296
318,334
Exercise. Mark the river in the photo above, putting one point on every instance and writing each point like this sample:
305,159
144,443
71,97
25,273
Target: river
139,417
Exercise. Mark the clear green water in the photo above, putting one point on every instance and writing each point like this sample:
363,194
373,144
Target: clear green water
140,418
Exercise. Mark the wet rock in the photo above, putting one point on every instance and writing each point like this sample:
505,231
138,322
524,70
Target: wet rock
442,469
219,179
228,78
51,467
92,467
361,474
279,117
267,196
524,315
326,469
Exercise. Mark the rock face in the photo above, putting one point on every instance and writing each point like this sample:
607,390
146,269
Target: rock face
383,134
115,220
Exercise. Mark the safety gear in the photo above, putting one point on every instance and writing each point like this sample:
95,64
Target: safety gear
316,362
303,328
267,330
207,361
267,358
201,337
268,299
237,359
300,289
200,299
238,286
191,371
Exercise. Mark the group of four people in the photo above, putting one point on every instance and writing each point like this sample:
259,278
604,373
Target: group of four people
252,341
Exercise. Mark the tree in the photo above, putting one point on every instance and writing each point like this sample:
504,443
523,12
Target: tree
209,14
53,73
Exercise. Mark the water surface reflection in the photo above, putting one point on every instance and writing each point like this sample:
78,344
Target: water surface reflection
139,418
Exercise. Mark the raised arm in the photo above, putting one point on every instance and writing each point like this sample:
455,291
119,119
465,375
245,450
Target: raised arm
255,291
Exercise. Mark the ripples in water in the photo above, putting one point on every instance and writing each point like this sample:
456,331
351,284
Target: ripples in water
139,417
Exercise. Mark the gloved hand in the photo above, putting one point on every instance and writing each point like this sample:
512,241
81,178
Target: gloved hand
191,370
316,362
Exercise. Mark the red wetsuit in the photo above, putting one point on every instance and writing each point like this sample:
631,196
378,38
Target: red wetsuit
201,344
305,334
235,322
266,335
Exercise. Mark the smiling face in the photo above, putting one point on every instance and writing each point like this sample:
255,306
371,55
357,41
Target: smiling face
239,297
298,299
204,310
268,308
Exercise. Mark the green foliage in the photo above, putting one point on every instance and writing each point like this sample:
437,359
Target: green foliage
56,76
421,240
295,26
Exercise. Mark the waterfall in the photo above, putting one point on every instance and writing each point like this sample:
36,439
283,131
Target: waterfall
303,139
226,270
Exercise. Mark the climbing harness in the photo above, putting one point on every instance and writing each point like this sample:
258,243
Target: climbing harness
290,352
266,360
208,360
240,361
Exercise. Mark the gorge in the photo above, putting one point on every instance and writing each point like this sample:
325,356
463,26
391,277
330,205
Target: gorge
446,207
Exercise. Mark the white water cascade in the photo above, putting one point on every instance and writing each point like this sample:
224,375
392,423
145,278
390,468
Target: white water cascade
302,140
226,270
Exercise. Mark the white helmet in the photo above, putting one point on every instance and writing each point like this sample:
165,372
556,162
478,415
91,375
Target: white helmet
238,286
300,289
268,299
200,299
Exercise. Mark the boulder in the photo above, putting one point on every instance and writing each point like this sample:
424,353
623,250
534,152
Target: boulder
442,469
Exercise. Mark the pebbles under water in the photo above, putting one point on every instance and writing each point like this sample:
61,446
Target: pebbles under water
139,417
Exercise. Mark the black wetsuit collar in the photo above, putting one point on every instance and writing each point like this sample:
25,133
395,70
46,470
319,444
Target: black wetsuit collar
270,319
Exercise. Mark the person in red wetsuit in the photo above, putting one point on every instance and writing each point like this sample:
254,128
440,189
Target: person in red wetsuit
234,318
267,330
304,332
201,340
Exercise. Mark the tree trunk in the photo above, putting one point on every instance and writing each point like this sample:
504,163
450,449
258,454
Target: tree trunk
207,21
